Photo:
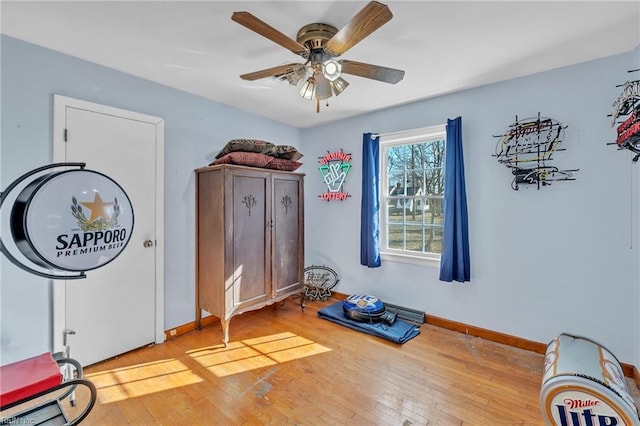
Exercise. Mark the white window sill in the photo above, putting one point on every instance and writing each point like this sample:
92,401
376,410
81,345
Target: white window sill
415,260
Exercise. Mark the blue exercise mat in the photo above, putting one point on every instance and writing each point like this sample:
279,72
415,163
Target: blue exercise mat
400,332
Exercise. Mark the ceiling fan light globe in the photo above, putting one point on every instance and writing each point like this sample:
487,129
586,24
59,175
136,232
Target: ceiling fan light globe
293,79
331,70
323,88
338,85
308,88
296,75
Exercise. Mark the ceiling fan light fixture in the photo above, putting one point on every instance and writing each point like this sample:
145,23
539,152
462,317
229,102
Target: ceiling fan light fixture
331,69
308,88
295,76
338,85
319,77
323,89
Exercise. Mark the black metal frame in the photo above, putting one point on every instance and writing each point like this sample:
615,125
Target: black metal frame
537,171
625,107
3,197
53,405
317,285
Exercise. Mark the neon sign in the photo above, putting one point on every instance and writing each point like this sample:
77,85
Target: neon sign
334,168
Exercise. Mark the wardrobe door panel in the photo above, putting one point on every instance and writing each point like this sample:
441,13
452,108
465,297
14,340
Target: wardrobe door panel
250,240
286,247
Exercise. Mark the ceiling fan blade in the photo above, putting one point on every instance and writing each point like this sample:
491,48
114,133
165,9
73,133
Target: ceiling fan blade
375,72
271,72
370,18
254,24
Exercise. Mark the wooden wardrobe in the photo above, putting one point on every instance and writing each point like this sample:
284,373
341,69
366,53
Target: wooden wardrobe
249,239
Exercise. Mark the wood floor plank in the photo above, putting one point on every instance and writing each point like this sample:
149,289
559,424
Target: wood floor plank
287,367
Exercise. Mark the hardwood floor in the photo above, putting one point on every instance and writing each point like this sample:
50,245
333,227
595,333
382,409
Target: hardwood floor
287,367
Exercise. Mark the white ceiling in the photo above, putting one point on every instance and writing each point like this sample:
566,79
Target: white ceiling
444,46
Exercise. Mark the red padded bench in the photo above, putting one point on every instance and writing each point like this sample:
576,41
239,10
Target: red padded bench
23,383
28,377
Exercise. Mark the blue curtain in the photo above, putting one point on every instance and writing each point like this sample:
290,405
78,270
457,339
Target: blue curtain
454,262
370,204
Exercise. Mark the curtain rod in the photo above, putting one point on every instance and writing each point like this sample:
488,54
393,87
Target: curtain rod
377,135
402,132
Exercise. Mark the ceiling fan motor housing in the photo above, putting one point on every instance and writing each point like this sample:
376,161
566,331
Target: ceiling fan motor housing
315,36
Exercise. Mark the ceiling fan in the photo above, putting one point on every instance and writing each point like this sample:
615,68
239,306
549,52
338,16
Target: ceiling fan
320,76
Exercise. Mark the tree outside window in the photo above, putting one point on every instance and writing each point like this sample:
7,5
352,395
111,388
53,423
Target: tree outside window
412,217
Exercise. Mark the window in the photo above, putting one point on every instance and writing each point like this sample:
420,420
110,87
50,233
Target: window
412,194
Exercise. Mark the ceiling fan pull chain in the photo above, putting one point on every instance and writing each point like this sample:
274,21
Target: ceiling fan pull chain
318,105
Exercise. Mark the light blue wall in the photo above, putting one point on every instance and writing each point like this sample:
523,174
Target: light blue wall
195,128
543,261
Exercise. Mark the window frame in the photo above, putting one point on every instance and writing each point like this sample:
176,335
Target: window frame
421,135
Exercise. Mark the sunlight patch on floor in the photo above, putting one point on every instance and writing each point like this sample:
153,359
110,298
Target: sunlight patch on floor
141,379
250,354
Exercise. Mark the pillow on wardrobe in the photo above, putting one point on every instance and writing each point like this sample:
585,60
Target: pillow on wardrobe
287,152
246,145
252,159
283,164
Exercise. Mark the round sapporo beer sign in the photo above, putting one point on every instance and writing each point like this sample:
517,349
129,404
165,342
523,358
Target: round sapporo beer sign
74,220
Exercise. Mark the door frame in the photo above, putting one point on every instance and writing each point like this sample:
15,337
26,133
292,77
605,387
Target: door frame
60,104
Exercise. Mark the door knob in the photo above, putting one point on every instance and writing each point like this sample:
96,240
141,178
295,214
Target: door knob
148,243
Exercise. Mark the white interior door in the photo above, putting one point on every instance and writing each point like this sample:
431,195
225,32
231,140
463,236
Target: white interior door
118,307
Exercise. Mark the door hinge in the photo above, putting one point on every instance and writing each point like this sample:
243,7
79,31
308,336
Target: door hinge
65,135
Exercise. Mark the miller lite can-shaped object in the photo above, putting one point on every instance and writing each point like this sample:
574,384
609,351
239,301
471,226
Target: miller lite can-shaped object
583,385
